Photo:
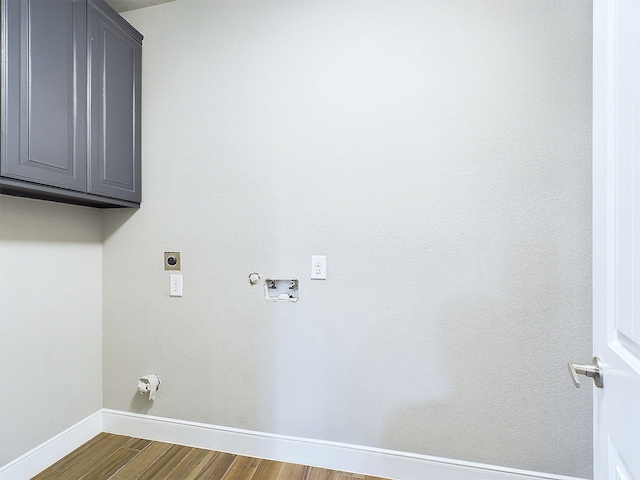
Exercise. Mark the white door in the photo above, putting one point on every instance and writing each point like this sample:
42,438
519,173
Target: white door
616,239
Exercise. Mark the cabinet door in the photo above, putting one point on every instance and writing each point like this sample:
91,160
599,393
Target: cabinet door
44,92
114,117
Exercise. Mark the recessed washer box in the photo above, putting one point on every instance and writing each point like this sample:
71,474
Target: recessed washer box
279,290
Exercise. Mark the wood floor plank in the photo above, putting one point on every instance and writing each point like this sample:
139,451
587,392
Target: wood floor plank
81,460
142,461
138,444
217,467
109,465
242,468
166,463
116,457
71,458
291,471
315,473
338,475
268,470
192,465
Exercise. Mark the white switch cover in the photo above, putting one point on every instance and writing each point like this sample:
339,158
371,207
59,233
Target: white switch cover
318,267
175,285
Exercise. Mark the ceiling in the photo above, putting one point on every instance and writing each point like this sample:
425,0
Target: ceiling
126,5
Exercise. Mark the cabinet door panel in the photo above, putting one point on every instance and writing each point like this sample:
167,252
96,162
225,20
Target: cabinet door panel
114,132
44,118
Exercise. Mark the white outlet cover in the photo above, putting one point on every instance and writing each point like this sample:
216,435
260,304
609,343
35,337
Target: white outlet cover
175,285
318,267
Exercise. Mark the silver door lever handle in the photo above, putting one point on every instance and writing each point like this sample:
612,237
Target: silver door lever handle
593,371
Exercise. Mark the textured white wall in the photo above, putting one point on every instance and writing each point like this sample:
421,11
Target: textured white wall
50,320
438,152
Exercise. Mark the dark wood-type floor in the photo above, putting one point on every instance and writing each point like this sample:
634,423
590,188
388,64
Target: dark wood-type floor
116,457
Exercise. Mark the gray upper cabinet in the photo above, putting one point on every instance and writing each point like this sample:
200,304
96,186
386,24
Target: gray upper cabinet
44,91
115,55
70,103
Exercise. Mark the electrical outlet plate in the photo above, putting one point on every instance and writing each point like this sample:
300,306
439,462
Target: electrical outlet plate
172,260
175,285
318,267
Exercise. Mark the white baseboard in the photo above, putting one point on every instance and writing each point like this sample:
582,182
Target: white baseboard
319,453
332,455
39,458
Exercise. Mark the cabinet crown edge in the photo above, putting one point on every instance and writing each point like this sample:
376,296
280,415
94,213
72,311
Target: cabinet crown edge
116,17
